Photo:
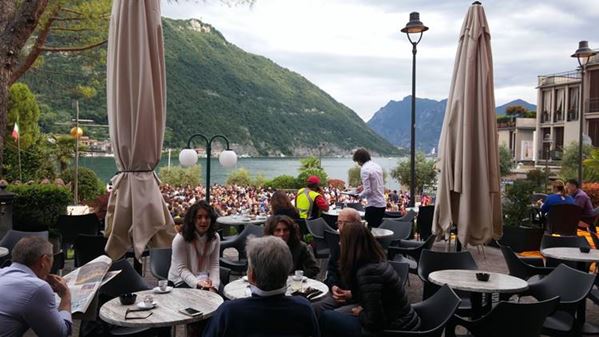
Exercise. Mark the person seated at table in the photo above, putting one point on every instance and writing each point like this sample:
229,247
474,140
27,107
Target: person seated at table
589,214
268,312
27,292
196,250
285,228
340,297
281,205
381,300
310,201
558,197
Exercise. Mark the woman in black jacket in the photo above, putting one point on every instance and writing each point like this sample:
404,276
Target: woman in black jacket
374,284
284,227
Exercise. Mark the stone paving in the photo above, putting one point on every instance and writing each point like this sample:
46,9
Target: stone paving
491,260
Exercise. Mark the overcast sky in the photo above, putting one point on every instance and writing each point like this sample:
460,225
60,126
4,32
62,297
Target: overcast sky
354,50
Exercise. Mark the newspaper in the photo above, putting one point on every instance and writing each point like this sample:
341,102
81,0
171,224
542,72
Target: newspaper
85,281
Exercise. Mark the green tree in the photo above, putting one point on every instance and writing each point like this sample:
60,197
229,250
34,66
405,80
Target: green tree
506,163
516,111
29,29
426,174
24,110
284,182
537,178
89,185
180,176
570,161
63,151
353,176
310,162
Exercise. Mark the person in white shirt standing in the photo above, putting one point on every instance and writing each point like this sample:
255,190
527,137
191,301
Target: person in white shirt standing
372,188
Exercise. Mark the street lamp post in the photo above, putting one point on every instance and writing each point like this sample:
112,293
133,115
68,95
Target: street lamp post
414,26
189,157
583,54
547,141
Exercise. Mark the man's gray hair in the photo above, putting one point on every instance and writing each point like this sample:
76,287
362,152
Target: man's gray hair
29,249
271,261
352,213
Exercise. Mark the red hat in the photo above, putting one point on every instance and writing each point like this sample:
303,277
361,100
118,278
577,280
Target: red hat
313,180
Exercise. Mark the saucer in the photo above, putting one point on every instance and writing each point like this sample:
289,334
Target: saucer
143,306
158,291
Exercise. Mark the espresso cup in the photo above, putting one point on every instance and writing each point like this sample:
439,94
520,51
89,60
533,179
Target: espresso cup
162,284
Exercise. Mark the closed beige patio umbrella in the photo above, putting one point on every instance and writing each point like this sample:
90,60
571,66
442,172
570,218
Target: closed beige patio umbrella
468,193
137,214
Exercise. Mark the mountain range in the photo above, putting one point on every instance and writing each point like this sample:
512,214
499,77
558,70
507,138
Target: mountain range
214,87
392,121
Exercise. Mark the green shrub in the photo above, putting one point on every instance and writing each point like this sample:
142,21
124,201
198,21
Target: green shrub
516,203
305,173
90,186
40,204
282,182
240,176
180,176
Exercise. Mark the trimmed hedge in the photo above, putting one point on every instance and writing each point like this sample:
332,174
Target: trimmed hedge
39,205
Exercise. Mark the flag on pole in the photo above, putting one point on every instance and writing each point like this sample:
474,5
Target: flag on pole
15,132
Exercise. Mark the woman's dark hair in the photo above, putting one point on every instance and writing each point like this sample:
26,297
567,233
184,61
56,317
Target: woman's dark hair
294,232
189,221
279,200
358,248
361,156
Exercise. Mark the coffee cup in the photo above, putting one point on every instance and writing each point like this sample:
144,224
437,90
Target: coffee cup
163,284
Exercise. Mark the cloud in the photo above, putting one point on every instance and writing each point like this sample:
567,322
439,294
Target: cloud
354,50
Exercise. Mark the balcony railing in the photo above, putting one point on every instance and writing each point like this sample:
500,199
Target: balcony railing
559,78
594,105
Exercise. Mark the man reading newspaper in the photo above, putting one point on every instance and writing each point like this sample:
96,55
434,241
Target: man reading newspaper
27,293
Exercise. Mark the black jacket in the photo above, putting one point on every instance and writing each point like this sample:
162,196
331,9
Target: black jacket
377,288
303,259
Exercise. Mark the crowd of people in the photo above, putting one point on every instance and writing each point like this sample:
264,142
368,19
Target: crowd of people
234,199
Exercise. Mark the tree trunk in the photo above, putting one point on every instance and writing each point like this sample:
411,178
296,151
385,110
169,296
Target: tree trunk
16,26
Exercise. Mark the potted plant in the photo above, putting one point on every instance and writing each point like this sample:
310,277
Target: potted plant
519,230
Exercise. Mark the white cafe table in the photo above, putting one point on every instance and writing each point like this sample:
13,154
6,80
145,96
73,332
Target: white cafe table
3,251
335,212
381,233
166,313
574,254
571,254
240,220
465,280
240,288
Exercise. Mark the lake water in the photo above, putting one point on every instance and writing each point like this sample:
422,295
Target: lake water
336,168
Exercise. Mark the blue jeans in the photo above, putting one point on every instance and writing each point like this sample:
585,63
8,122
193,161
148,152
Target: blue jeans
337,324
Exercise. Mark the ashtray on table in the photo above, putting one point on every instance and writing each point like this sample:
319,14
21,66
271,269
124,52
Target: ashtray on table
483,277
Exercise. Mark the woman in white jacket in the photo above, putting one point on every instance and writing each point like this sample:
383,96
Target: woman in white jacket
196,250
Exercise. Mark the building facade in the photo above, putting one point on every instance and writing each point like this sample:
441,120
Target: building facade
519,136
560,103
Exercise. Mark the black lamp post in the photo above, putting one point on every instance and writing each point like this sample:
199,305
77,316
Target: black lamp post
583,54
547,141
188,157
414,26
